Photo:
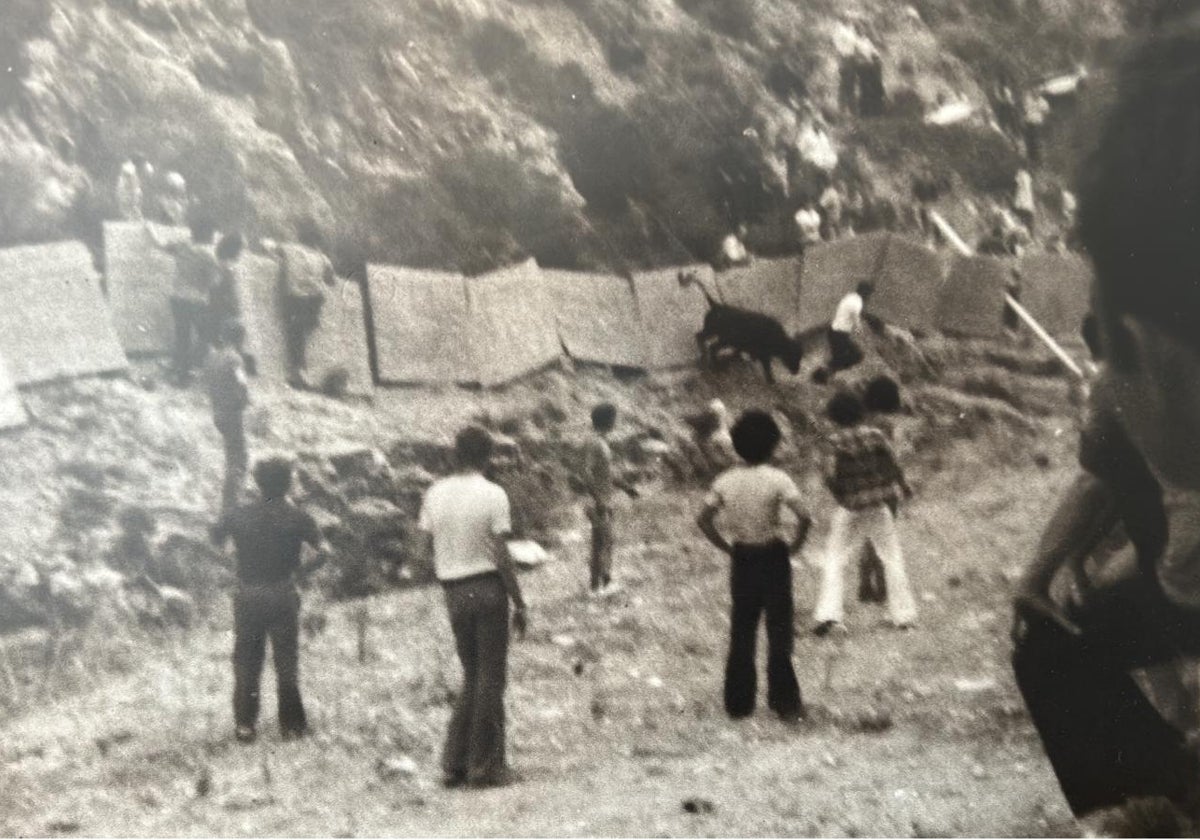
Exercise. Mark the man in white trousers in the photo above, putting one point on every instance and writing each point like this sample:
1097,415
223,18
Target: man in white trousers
862,473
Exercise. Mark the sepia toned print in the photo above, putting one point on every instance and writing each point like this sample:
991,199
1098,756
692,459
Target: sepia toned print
609,418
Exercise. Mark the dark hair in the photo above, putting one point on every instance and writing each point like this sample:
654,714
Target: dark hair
230,247
273,476
604,417
845,409
203,231
882,395
473,447
232,332
865,289
1138,207
755,436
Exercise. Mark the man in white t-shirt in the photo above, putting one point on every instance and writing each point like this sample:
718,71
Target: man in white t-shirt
749,499
808,226
847,320
733,249
466,522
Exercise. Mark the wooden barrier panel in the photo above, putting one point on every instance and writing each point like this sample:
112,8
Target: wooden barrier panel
54,322
421,325
12,410
597,317
908,285
771,287
972,298
832,270
140,276
671,314
1057,289
512,327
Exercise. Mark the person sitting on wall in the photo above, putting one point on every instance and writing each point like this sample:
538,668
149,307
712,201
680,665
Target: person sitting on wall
306,276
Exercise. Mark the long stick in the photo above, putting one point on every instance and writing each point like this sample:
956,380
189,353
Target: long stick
1041,333
967,251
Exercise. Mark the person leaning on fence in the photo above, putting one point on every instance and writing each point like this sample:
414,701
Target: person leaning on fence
229,394
831,203
1138,214
861,471
749,498
600,482
466,522
223,299
195,275
269,535
307,277
808,227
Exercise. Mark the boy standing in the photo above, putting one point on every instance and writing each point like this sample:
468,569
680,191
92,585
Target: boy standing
307,278
225,380
600,483
861,472
749,499
269,535
466,522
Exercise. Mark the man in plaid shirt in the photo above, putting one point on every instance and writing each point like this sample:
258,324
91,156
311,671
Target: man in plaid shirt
861,472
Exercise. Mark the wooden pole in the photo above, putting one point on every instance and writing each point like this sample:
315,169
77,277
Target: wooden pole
1041,333
966,250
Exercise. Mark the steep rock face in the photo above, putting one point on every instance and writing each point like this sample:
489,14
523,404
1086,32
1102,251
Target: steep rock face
468,133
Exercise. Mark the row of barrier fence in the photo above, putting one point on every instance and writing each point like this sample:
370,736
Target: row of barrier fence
443,327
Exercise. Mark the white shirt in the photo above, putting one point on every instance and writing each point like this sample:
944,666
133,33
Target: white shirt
464,513
849,313
1023,199
1036,108
845,40
750,500
733,250
809,224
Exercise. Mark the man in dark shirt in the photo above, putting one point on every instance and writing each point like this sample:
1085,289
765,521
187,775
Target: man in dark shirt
268,536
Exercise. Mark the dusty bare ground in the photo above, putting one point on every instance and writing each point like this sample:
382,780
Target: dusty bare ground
615,717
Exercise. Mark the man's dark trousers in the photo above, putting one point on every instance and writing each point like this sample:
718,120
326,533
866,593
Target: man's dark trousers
1105,740
478,608
237,459
261,611
193,333
302,315
761,582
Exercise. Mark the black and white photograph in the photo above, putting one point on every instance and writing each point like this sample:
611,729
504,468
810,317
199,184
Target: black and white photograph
599,418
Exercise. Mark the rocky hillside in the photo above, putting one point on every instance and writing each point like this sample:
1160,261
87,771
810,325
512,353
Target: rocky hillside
466,133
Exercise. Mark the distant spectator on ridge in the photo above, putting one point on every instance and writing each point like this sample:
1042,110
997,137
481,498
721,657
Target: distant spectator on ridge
830,203
129,192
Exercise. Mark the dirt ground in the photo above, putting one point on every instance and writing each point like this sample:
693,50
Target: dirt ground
615,719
